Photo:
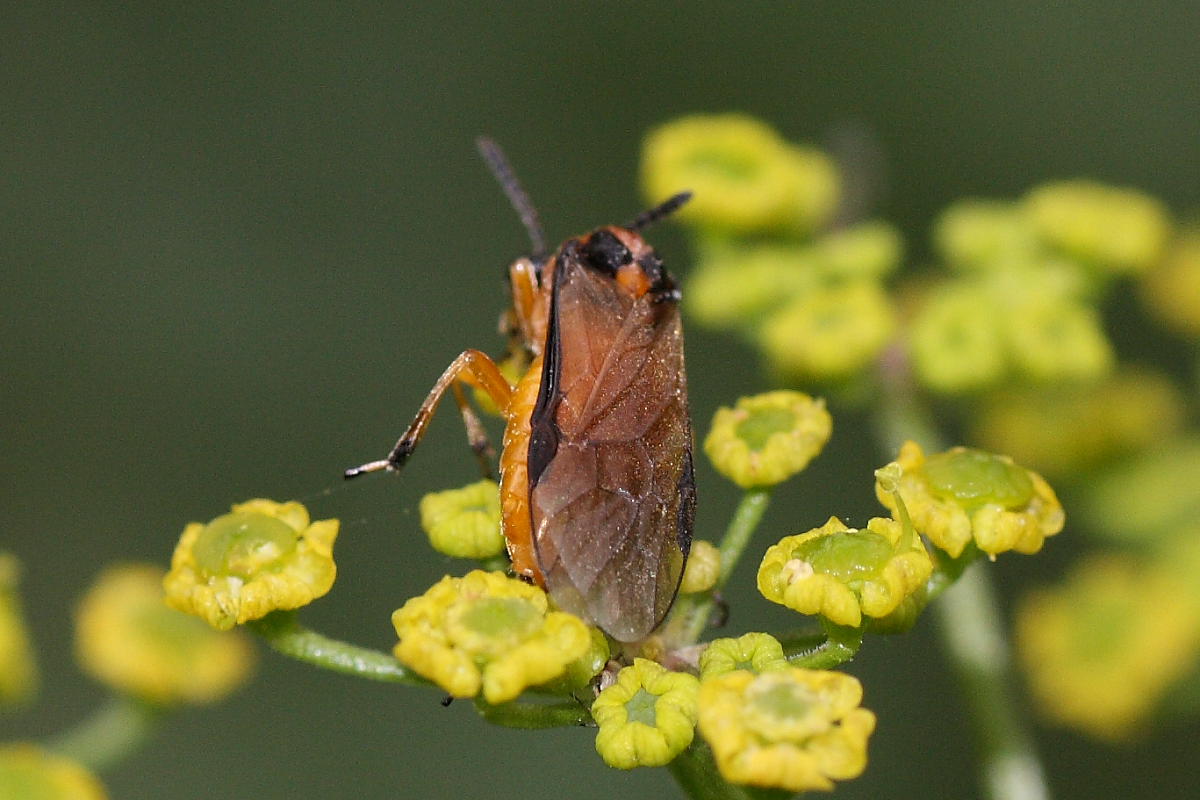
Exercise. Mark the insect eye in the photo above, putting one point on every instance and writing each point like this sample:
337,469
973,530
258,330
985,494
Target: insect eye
605,253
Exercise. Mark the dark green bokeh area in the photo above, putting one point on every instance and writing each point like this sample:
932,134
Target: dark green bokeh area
238,244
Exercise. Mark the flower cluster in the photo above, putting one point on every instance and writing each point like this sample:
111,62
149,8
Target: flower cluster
491,634
810,299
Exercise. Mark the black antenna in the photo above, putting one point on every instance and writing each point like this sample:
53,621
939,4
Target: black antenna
498,163
653,215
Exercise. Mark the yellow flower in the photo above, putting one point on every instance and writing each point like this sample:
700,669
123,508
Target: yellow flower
1172,288
647,717
829,333
866,251
487,632
127,638
956,341
18,668
742,175
1148,498
767,438
1101,650
703,568
1117,230
963,495
1062,429
464,523
842,573
241,566
737,284
28,772
756,652
793,729
1052,339
980,233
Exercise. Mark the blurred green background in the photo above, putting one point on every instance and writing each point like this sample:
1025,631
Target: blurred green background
238,243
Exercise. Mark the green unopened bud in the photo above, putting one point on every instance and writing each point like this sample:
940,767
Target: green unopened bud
765,439
647,717
830,333
757,652
1117,230
703,568
464,523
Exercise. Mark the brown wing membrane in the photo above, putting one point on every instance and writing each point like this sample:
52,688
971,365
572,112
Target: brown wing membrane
610,458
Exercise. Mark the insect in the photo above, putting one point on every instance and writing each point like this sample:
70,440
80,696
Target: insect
596,485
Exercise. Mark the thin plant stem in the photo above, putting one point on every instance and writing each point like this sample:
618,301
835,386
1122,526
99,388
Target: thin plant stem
971,627
117,729
535,716
287,636
694,612
970,624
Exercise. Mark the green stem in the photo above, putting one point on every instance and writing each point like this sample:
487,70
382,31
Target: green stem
972,630
287,636
693,614
535,716
840,645
970,624
116,729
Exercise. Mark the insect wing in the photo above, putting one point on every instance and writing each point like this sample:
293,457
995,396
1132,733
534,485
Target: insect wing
612,497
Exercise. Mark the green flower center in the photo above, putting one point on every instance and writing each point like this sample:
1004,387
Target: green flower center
244,543
850,556
725,164
757,429
508,618
780,708
972,478
640,708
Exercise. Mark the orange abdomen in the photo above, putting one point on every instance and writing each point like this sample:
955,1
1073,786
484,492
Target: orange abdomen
514,475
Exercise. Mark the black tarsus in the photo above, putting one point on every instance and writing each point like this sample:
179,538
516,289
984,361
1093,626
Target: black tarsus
653,215
498,163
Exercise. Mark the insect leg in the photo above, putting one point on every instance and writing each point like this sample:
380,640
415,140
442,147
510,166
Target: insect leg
471,367
476,435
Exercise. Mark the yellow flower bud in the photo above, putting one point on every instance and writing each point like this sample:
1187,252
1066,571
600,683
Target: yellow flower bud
647,717
765,439
487,633
703,568
829,333
742,175
736,285
18,667
956,341
28,772
262,557
793,729
842,573
973,234
1051,340
1172,289
127,637
965,495
464,523
1117,230
866,251
1103,649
